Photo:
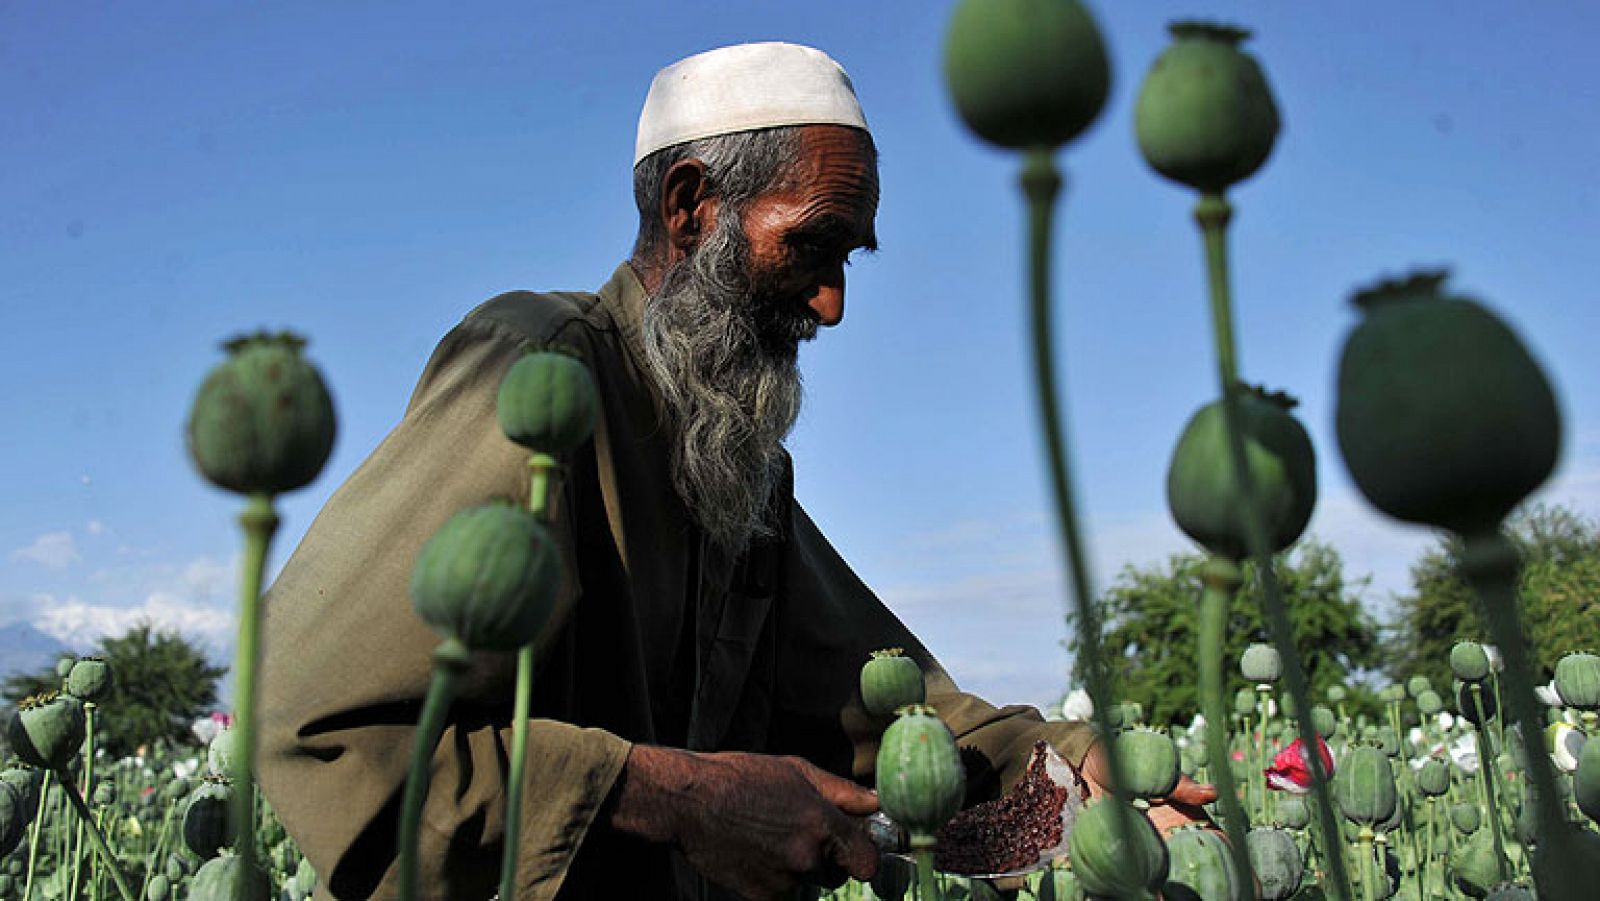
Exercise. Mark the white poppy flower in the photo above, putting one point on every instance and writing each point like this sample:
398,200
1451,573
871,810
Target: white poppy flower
1464,753
205,728
1547,694
1566,745
1077,706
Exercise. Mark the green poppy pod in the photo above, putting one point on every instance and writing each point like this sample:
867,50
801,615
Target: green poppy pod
890,680
1388,743
14,817
1416,685
47,730
1111,864
1277,861
920,779
1203,496
547,402
1586,780
205,820
1147,761
1336,693
64,666
174,790
222,751
1132,714
1244,702
1286,704
28,782
1474,866
488,577
1466,817
1433,779
1363,786
1392,693
1200,866
1293,813
225,878
1060,884
89,679
1469,662
178,867
1026,73
1261,664
1323,721
262,422
1429,703
1391,823
1125,716
1578,681
1426,438
157,888
1205,116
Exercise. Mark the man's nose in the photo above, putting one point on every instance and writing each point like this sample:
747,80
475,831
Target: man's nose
827,301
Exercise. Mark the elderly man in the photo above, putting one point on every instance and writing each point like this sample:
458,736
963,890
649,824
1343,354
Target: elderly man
699,729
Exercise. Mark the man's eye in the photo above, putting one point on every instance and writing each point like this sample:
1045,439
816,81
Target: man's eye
810,251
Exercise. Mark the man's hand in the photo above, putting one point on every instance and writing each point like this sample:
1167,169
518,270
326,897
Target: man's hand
1182,806
756,824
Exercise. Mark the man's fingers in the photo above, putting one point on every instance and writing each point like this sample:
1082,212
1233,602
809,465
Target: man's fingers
841,793
1192,793
852,849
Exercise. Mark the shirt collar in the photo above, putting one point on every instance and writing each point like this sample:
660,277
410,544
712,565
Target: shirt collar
624,298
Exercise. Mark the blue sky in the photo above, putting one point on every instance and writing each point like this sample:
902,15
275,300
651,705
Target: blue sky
366,172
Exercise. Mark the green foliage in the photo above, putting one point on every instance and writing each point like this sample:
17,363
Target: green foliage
161,684
1148,624
1560,590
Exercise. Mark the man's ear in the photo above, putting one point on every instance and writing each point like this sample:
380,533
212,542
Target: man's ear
687,212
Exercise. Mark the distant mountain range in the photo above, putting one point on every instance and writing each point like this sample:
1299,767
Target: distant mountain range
24,649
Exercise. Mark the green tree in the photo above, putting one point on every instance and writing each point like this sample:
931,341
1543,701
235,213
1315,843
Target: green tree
1148,628
1559,590
160,683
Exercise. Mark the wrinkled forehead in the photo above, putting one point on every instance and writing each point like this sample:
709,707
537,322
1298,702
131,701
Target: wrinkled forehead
837,162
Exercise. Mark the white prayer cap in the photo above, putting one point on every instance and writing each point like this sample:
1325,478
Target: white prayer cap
743,88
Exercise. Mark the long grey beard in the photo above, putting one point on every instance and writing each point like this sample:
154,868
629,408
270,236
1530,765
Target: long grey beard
723,353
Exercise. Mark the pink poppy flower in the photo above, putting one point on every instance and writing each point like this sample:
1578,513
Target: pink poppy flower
1291,771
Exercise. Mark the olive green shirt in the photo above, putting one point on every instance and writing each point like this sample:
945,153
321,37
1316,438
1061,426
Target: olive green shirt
657,638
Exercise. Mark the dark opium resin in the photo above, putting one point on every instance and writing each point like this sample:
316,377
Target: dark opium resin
1009,833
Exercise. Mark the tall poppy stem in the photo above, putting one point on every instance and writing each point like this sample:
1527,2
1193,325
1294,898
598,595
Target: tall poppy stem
1041,183
1213,213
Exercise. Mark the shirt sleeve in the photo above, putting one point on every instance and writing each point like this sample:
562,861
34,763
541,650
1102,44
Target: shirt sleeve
829,623
346,662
